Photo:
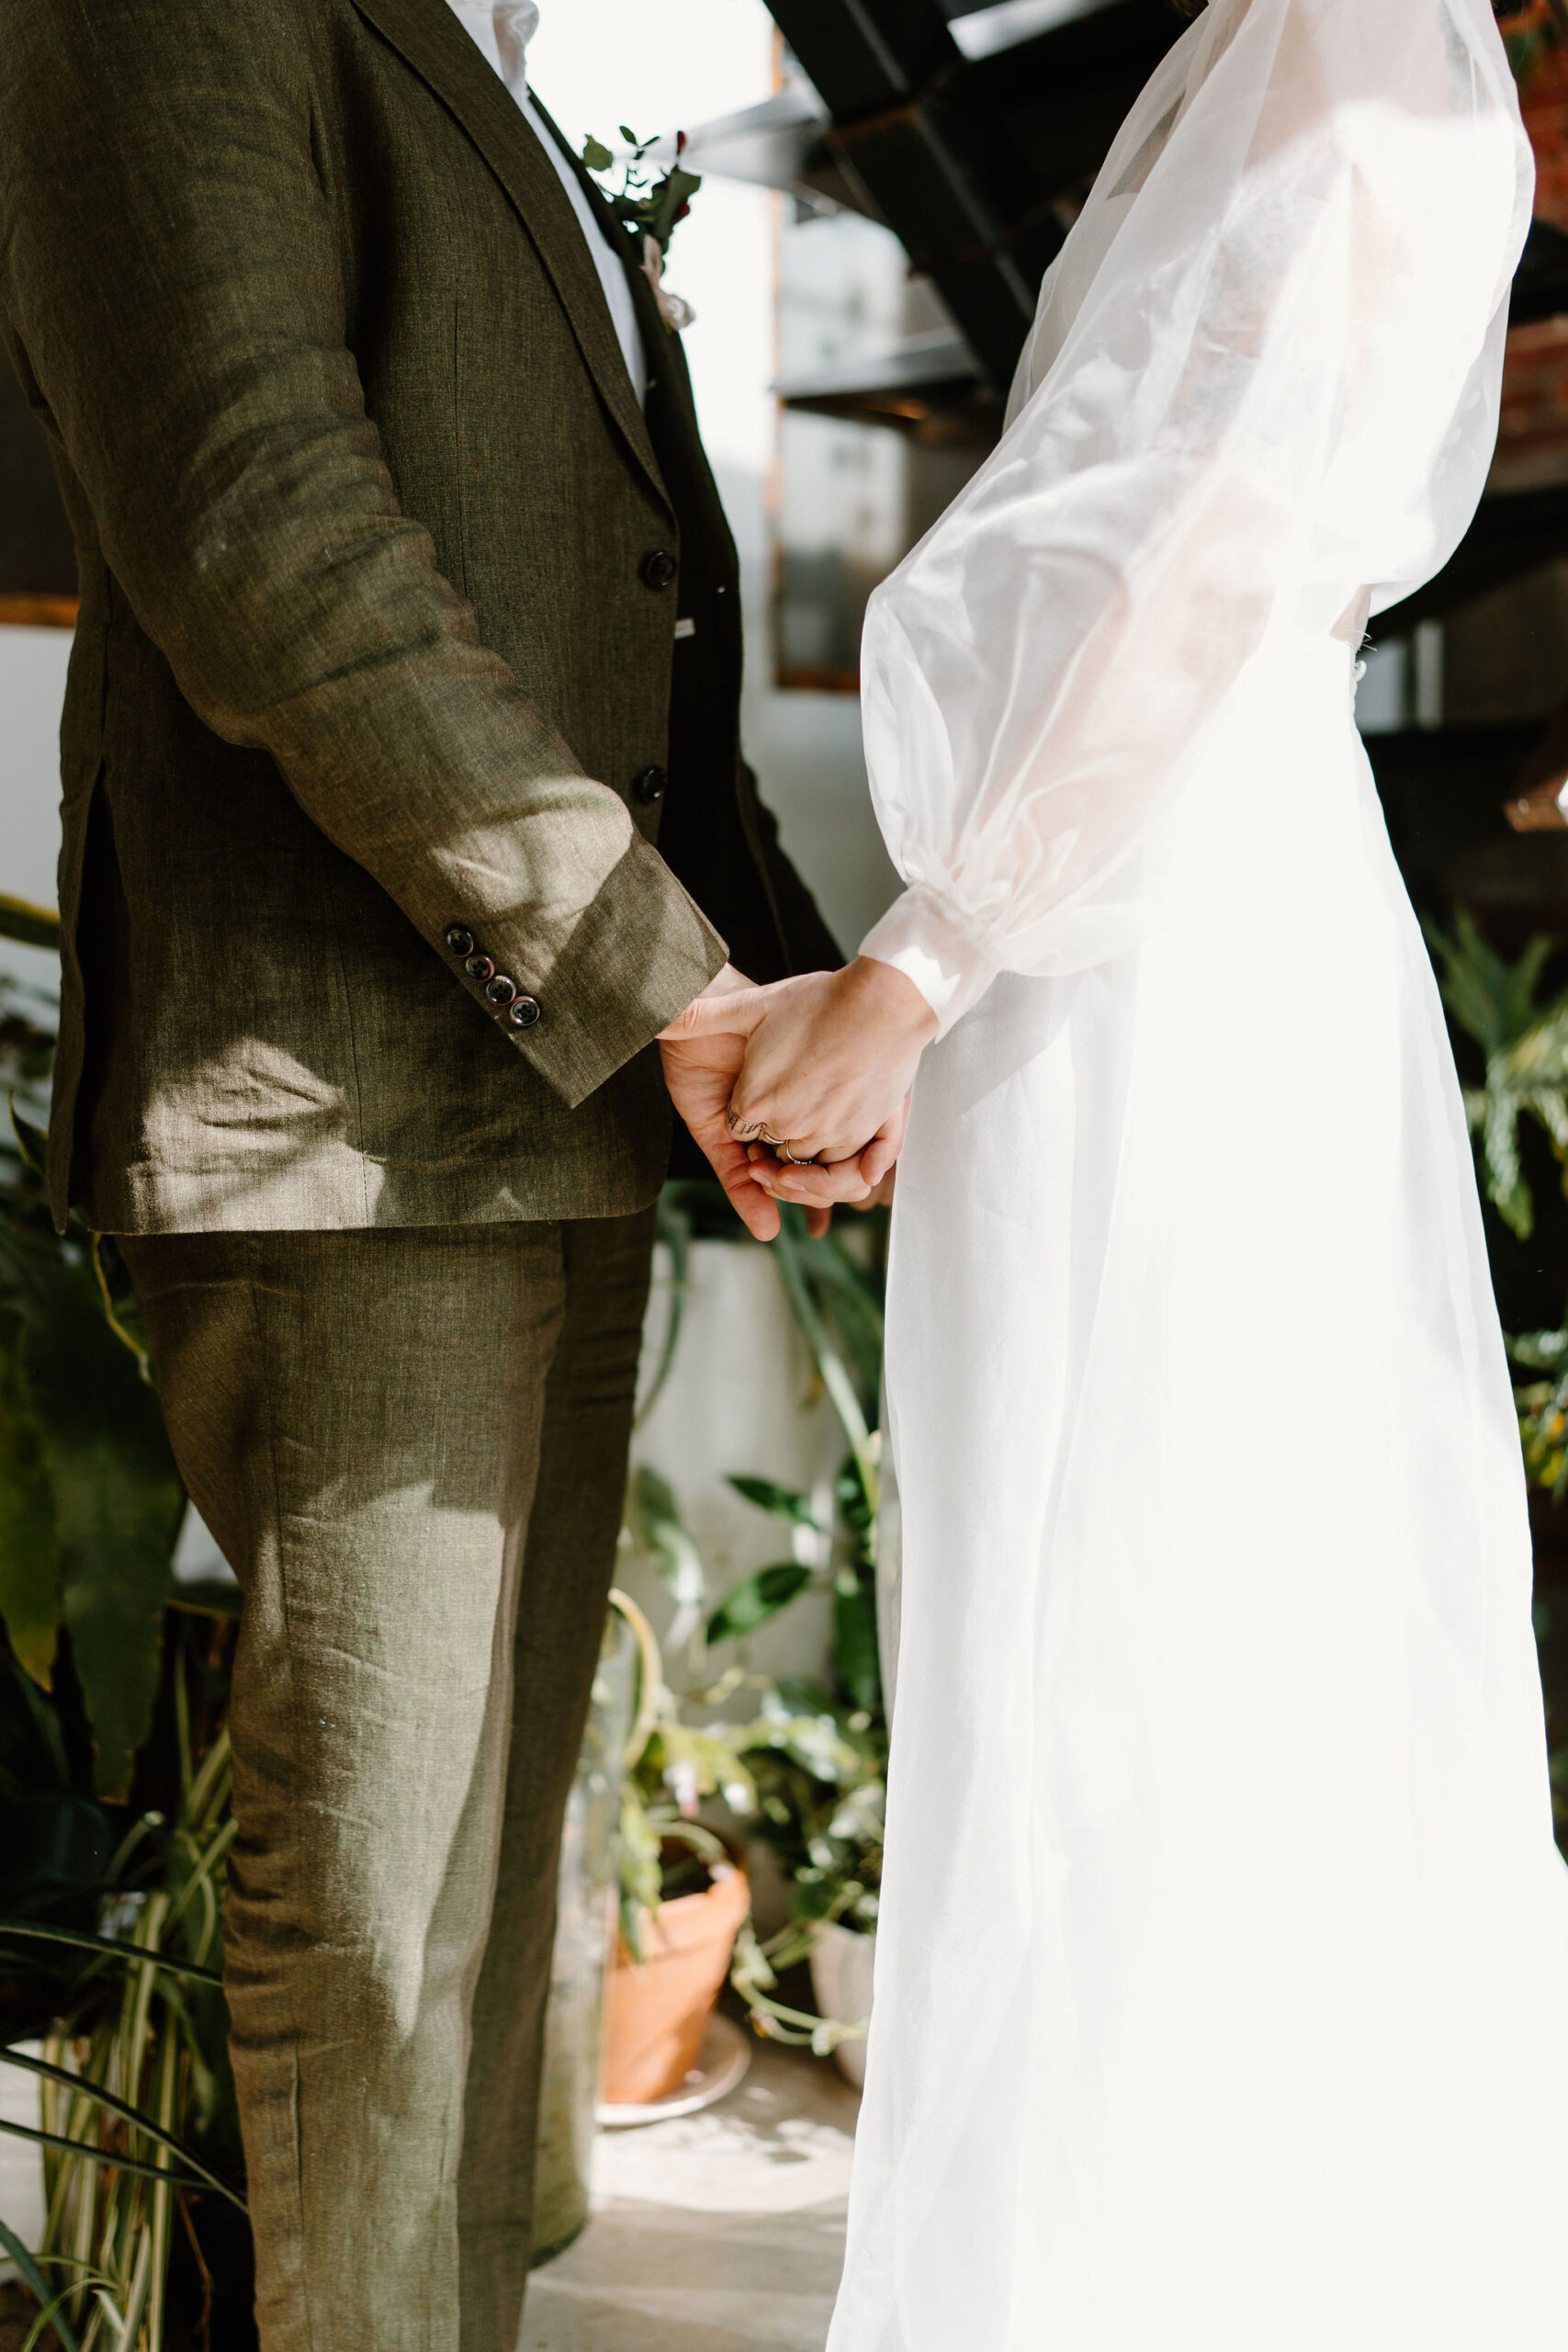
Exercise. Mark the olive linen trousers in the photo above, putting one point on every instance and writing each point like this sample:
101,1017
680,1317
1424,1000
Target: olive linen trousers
412,1445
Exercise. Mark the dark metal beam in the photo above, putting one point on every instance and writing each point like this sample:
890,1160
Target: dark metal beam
935,157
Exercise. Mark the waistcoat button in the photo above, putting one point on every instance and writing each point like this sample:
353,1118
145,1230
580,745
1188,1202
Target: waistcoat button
648,785
658,568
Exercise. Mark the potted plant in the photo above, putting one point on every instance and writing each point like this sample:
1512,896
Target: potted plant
802,1772
811,1759
683,1889
113,1817
818,1755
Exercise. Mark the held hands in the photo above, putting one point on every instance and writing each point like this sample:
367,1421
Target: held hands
818,1067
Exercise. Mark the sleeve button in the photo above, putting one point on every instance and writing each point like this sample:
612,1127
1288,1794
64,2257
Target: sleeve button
501,990
658,568
524,1012
478,966
459,943
648,785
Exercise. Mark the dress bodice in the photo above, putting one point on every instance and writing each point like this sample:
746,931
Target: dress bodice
1260,393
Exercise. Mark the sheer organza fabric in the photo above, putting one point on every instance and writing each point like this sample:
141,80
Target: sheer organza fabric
1220,1981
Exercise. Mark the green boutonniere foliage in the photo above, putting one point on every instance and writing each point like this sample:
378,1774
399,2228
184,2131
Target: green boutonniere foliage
645,206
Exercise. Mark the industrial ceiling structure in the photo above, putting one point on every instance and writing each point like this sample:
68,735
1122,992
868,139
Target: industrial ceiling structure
972,134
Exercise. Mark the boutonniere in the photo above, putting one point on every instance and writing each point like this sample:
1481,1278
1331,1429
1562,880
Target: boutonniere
647,210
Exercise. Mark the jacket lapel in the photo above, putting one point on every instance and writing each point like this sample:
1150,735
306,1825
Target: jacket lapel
654,330
427,36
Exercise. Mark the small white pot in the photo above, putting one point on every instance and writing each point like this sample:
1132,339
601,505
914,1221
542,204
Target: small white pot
841,1964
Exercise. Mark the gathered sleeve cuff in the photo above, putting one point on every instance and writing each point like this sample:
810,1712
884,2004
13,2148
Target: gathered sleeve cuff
950,959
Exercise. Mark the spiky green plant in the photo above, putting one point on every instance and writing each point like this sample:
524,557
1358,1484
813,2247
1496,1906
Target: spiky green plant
1525,1046
109,1922
91,1503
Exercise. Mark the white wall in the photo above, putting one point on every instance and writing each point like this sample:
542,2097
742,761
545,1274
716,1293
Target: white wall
32,687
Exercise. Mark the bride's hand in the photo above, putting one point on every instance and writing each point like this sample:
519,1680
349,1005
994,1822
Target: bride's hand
829,1061
863,1183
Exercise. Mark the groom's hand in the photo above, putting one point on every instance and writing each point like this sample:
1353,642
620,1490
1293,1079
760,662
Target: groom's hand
829,1059
701,1065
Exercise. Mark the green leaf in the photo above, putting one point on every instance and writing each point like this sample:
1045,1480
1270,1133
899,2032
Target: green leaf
788,1257
596,155
119,1516
784,1502
629,136
129,1955
117,1494
849,1297
855,1509
855,1655
32,1143
755,1598
35,2278
675,1557
137,2116
52,1842
676,188
1526,1045
799,1694
1539,1350
116,2158
30,1599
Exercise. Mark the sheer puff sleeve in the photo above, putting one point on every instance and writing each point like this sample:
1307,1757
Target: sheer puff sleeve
1262,385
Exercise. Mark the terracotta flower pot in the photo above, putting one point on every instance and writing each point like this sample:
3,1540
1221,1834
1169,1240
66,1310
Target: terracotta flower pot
655,2015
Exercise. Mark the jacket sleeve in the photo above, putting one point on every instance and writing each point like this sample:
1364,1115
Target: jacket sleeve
171,273
1267,359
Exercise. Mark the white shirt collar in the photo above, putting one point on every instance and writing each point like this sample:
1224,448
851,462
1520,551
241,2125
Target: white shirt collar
502,30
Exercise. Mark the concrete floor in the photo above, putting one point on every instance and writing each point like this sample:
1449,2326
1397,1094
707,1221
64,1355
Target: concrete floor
720,2233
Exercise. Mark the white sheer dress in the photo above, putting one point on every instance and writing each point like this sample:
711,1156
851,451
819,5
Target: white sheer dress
1222,1989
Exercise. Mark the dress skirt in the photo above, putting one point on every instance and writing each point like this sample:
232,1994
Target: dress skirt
1222,1989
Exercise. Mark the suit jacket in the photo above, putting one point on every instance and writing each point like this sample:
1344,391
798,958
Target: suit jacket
377,721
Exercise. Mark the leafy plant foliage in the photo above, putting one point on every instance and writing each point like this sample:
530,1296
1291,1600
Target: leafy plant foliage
90,1501
805,1771
1525,1046
644,205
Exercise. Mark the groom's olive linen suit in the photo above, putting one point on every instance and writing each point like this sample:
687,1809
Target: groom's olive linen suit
377,711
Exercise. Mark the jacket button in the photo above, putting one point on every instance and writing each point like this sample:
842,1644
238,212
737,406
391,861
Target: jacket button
501,990
648,784
459,941
658,568
478,966
525,1012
